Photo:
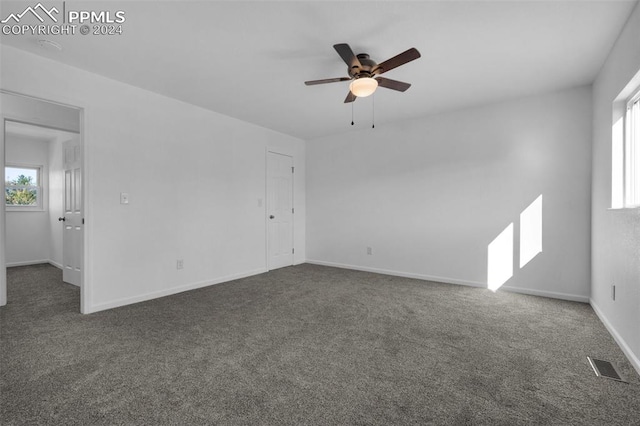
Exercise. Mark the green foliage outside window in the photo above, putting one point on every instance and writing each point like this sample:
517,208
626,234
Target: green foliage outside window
21,191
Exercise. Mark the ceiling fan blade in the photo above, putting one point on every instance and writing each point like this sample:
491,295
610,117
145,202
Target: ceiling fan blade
326,80
400,86
396,61
350,98
347,55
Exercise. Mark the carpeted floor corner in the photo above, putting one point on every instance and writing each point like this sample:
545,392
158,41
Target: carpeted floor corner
306,345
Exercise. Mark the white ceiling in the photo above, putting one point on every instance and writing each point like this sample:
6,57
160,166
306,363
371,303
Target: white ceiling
249,59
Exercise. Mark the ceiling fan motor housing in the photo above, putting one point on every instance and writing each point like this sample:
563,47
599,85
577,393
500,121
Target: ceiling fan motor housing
368,67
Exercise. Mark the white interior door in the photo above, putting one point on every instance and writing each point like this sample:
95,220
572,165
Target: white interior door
72,219
279,210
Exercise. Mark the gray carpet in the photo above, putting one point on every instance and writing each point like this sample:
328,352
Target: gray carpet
306,345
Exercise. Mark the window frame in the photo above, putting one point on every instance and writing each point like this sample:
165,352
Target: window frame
631,156
40,188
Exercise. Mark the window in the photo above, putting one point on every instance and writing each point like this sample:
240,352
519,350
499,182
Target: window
625,147
632,152
23,187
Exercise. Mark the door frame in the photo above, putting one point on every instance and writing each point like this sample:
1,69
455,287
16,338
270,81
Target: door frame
289,153
85,293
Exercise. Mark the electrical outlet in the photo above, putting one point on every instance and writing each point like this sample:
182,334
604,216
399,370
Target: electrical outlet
369,250
180,264
613,292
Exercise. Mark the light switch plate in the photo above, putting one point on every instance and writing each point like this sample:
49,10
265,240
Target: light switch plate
124,198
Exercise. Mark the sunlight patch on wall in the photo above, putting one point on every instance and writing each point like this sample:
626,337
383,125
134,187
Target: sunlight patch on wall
531,231
500,252
500,259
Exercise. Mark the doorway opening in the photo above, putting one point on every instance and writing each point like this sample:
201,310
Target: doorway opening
42,220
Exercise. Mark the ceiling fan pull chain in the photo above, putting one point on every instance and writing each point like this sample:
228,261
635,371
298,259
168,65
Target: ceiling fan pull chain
373,111
352,113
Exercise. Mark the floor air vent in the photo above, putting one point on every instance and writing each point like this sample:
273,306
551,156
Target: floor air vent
605,369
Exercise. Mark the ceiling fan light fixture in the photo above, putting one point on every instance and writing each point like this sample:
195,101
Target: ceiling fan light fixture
363,87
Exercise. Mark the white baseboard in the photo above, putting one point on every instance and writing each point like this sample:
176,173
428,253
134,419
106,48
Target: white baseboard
56,264
27,263
633,359
447,280
35,262
544,293
168,292
397,273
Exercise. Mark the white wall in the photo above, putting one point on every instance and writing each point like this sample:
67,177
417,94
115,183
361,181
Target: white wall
429,195
615,233
194,179
27,239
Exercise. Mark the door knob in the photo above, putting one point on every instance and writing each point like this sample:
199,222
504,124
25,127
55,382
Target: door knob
62,219
272,217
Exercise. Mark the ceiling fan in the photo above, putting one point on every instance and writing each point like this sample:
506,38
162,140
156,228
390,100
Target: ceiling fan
364,72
